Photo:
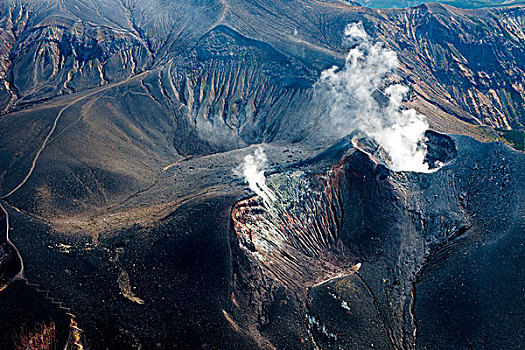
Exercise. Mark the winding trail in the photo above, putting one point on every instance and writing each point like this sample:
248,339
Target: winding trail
75,331
17,270
55,123
4,219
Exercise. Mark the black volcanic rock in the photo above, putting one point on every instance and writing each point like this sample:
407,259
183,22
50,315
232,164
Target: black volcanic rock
441,149
29,318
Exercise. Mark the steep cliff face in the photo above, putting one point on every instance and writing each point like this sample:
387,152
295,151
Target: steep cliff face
469,63
464,64
304,249
57,58
234,91
50,50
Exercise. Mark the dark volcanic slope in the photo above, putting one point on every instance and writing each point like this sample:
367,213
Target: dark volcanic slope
191,281
439,252
122,122
469,63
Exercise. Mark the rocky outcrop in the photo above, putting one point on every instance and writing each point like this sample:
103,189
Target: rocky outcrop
49,51
306,245
469,63
462,64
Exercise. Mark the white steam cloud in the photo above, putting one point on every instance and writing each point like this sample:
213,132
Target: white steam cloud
252,169
352,96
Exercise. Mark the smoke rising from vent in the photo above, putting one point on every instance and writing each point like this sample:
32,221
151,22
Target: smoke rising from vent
252,169
355,103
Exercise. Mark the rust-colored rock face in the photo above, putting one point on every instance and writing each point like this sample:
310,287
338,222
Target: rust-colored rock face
296,238
40,338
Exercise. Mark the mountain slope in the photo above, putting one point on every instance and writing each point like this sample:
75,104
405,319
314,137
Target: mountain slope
169,84
466,4
122,122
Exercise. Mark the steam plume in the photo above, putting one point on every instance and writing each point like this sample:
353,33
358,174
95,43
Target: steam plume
252,169
352,94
